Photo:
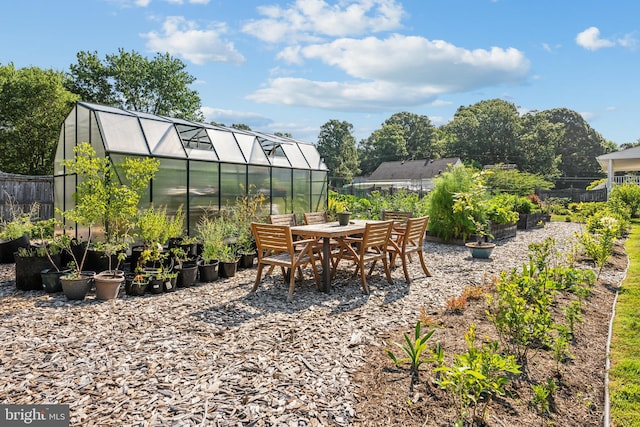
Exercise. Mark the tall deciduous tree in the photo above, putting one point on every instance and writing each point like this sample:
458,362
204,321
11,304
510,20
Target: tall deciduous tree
33,103
486,132
579,145
131,81
384,145
537,145
418,133
336,144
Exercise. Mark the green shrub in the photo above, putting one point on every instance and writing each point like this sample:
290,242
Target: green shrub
444,222
628,194
474,377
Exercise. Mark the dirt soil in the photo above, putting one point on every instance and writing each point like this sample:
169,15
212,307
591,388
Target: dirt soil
388,397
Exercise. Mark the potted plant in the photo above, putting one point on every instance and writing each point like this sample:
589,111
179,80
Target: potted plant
153,228
187,267
42,254
228,262
52,244
114,196
246,248
344,217
136,284
211,237
108,282
481,248
15,233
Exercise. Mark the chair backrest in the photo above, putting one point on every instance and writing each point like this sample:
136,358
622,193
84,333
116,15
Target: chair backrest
416,228
315,218
376,234
396,216
272,238
283,219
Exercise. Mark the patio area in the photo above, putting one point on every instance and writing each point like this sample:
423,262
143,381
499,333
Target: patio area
214,354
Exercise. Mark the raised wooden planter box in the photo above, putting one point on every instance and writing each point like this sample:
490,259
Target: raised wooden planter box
503,231
529,221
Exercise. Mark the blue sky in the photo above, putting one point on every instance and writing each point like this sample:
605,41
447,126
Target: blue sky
291,66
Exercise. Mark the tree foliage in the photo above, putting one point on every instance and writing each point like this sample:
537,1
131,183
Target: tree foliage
130,81
402,136
487,132
336,144
33,103
579,145
516,182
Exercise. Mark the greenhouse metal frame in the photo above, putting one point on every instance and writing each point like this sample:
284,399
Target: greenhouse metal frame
203,167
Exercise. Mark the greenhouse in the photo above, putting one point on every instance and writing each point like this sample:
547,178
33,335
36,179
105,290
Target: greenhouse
202,167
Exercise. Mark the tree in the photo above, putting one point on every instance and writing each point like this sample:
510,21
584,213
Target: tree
537,145
486,132
384,145
240,126
33,103
336,144
418,133
130,81
579,145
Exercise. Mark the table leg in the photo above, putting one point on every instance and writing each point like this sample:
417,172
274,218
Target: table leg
326,265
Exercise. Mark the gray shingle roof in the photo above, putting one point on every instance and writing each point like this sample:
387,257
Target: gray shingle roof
411,169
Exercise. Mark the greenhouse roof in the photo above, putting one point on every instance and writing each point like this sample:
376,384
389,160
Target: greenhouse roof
131,132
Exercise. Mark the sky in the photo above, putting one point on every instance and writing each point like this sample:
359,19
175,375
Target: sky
291,66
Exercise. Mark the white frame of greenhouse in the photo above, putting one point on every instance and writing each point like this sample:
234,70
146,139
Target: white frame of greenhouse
202,166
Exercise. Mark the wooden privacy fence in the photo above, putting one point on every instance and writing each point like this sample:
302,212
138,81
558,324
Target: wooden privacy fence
575,194
20,192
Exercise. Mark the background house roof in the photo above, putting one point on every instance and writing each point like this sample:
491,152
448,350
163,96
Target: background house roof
625,160
412,169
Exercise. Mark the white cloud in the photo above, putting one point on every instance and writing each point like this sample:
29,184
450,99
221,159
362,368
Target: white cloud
184,39
590,39
229,117
396,72
310,20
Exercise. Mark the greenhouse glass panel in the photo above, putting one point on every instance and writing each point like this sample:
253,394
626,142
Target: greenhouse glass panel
200,154
318,191
294,155
225,145
204,191
232,183
251,149
70,134
260,182
96,137
117,160
58,169
301,193
281,202
278,158
312,156
162,138
170,185
122,133
58,195
85,117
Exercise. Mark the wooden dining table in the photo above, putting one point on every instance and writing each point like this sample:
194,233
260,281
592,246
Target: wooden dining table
328,231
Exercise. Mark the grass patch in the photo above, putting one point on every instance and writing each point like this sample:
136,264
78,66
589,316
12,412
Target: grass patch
624,376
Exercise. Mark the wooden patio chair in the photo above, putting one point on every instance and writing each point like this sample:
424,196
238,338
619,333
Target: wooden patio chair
399,218
371,247
315,218
408,241
283,219
276,247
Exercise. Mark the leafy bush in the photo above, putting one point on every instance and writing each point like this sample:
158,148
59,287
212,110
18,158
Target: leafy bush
476,376
628,194
445,222
516,182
